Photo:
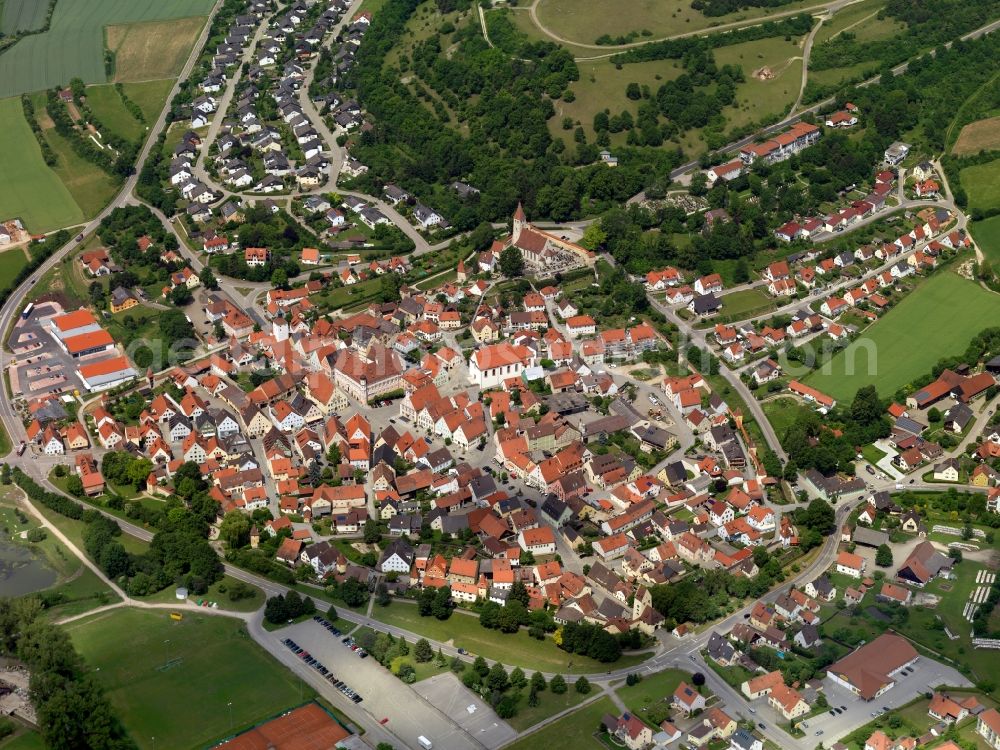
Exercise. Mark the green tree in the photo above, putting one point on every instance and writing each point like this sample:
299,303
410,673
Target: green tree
74,485
497,679
235,529
422,651
511,262
517,678
593,237
558,684
582,685
538,682
883,556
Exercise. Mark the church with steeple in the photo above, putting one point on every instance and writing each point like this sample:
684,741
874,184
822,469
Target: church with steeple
542,251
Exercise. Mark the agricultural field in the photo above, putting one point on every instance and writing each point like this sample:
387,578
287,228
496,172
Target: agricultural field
29,189
152,50
74,45
986,233
894,350
982,135
156,670
22,15
583,21
982,184
90,186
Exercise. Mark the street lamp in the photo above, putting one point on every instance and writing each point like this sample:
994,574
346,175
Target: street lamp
230,704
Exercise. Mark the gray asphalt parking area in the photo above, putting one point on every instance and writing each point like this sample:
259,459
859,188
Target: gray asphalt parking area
466,709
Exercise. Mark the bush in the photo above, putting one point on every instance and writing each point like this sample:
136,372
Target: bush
37,535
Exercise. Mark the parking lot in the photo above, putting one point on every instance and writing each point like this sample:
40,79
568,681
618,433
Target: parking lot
41,366
924,675
385,697
466,709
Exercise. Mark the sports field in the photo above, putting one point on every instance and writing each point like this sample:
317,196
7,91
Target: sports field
982,184
981,135
22,15
152,50
74,45
937,319
29,189
178,681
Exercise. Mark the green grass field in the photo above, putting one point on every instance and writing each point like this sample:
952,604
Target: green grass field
986,233
29,189
74,45
110,110
745,303
548,704
578,730
982,183
652,690
11,263
22,15
24,741
602,86
517,649
927,325
756,97
178,681
150,96
91,187
782,413
585,20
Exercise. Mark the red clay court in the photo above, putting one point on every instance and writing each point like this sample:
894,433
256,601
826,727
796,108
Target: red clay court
306,728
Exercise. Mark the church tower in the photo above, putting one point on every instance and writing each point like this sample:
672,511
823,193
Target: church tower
519,223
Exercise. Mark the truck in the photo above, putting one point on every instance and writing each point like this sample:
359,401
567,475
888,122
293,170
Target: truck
425,743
